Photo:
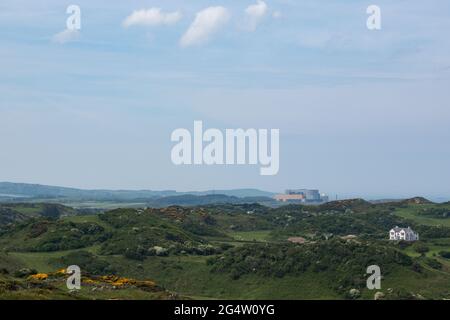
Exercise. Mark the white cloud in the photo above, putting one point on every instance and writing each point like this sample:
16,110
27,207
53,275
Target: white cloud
255,13
277,14
206,23
66,36
152,17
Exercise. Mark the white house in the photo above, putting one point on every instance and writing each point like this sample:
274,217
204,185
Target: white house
406,234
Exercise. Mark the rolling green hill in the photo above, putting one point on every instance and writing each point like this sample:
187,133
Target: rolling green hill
229,251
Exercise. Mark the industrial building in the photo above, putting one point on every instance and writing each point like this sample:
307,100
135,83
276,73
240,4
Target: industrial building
302,195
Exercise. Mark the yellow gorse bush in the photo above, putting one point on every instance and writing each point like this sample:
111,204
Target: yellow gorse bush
109,279
39,276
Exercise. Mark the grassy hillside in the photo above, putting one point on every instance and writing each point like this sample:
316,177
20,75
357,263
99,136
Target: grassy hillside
426,214
16,212
230,251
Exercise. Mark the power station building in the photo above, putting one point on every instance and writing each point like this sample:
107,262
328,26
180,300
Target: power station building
302,195
311,195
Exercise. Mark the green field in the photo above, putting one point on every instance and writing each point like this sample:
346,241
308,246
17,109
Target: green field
412,213
260,235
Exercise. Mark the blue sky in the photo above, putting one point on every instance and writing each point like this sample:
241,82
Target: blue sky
360,113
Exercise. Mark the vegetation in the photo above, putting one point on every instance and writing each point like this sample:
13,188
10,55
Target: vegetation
43,235
87,261
342,262
225,250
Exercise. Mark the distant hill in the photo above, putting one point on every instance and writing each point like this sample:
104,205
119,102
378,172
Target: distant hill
380,201
201,200
17,212
342,205
417,200
241,193
15,190
22,191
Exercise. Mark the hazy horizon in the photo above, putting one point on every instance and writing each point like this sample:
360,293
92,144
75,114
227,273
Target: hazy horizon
332,196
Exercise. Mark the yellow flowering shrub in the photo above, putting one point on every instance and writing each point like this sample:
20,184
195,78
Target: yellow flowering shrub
39,276
89,281
118,281
124,281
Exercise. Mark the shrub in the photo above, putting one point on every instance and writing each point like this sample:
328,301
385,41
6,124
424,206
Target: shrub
421,248
445,254
416,267
24,272
88,263
433,263
136,253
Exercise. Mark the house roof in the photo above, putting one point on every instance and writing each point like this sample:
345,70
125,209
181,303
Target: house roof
407,230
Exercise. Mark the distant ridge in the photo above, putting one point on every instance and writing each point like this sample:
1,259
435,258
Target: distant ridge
418,200
414,200
342,205
202,200
379,201
10,190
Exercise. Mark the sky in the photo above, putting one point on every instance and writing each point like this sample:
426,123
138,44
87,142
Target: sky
361,113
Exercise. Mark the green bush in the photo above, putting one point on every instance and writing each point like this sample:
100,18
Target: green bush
433,263
421,248
88,263
24,272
